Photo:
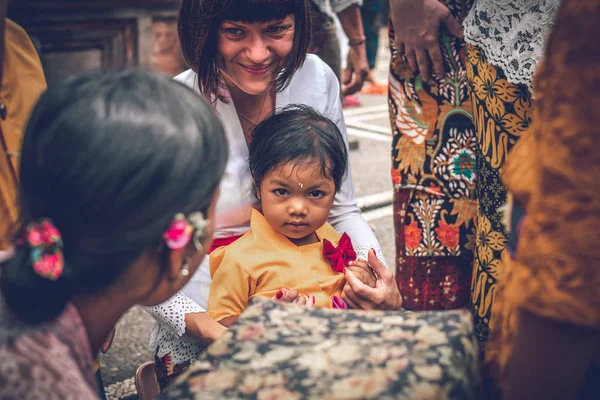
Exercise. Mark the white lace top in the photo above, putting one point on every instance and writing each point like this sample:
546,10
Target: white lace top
512,34
315,85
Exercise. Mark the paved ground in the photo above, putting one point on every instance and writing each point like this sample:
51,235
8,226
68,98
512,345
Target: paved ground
370,163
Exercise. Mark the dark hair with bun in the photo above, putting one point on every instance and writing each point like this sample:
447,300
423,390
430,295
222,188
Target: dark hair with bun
109,158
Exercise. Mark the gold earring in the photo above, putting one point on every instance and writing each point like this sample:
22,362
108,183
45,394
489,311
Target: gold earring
185,268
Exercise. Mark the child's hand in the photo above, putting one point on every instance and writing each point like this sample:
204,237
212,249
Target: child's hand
384,296
292,296
363,272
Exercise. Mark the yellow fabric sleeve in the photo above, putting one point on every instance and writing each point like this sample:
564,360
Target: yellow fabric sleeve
230,287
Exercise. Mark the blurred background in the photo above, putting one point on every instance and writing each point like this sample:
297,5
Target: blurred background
78,35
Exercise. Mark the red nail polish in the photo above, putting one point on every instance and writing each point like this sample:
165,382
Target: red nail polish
314,301
279,295
344,271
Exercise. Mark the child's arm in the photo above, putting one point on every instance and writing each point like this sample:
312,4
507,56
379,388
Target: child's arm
230,288
201,325
228,321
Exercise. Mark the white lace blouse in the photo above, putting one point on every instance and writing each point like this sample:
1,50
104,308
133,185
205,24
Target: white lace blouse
315,85
512,34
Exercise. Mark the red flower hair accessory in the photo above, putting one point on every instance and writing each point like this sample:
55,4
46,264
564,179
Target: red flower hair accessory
45,244
184,228
342,255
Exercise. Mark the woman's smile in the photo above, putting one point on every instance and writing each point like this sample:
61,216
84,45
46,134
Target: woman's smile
252,54
257,70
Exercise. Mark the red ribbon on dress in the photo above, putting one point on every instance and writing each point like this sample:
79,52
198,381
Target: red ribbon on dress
341,255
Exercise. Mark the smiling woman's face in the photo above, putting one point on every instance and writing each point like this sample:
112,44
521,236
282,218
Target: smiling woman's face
251,55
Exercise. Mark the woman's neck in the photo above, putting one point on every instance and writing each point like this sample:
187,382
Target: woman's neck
241,98
252,108
100,313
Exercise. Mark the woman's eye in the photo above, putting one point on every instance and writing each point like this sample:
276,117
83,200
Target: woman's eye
276,29
317,194
233,31
280,192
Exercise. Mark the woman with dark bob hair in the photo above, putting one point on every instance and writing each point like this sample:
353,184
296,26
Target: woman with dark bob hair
249,58
119,178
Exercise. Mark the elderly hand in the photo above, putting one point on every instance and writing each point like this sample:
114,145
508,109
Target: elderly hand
384,296
357,70
417,26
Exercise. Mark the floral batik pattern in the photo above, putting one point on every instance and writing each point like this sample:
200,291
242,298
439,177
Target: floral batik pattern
285,351
434,174
502,113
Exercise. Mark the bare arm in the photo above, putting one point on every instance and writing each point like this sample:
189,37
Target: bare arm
228,321
202,327
358,65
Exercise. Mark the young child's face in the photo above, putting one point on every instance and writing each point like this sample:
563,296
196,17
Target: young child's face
296,199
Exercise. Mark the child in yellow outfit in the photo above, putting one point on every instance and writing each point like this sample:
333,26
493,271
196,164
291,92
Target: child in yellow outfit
298,159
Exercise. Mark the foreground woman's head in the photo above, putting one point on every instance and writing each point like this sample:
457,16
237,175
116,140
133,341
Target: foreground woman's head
119,173
252,44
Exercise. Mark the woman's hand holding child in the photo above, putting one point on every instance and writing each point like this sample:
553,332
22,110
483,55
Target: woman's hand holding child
363,272
383,296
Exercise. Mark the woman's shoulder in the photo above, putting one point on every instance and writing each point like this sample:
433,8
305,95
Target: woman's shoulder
188,78
62,365
314,84
314,71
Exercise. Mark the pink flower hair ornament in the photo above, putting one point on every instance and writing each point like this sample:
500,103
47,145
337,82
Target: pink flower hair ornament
183,229
45,244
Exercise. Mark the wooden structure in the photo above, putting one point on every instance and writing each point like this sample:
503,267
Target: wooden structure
78,35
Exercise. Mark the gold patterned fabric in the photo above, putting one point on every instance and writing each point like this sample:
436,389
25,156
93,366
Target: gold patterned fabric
553,174
502,113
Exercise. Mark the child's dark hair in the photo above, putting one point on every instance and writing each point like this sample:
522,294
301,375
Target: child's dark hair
109,158
298,133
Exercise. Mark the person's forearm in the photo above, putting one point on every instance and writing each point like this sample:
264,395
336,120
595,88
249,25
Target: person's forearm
351,21
202,327
228,321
